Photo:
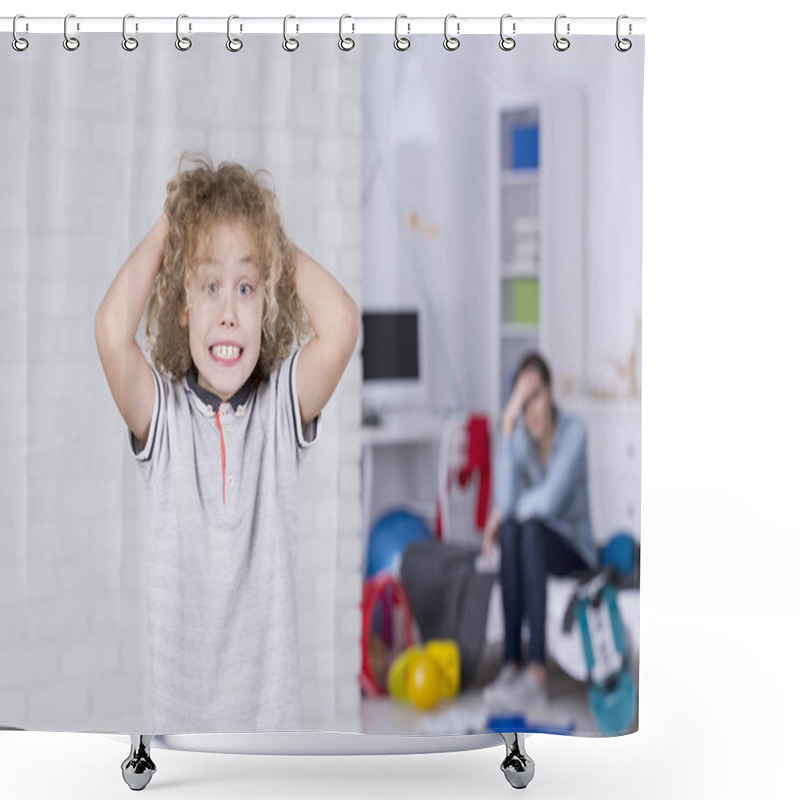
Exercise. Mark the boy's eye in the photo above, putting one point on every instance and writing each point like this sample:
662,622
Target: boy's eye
245,288
212,288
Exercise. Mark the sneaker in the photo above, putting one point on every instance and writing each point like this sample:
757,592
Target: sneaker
508,674
524,695
531,694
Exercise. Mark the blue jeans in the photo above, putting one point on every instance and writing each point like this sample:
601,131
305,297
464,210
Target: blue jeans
528,552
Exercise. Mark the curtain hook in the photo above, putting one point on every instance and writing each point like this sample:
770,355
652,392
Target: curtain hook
561,43
400,42
451,42
289,45
18,43
507,42
182,42
70,42
234,45
623,45
129,43
345,42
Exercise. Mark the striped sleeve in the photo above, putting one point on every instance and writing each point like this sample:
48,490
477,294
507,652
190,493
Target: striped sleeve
147,453
305,435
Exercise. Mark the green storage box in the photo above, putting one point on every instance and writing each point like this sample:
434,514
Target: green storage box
525,301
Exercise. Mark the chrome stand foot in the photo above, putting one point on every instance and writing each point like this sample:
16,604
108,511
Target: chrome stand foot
518,766
138,768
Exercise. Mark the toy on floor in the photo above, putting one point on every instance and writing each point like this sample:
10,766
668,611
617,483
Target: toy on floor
387,623
424,675
512,724
612,695
390,536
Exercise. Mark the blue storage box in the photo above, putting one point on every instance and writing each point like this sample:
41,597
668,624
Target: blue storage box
525,147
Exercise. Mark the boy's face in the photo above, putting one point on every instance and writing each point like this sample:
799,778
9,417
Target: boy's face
225,301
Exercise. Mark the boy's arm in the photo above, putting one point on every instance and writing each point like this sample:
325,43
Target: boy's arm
127,371
335,318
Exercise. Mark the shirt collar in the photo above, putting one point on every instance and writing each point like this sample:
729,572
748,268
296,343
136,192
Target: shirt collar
210,399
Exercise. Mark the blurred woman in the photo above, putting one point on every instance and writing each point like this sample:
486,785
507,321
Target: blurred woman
541,518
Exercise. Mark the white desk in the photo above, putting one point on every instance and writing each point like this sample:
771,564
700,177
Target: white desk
396,428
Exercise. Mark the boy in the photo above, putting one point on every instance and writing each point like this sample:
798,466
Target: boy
218,426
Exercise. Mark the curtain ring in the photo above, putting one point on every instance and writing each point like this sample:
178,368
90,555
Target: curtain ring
507,42
18,43
345,42
400,42
623,45
70,42
561,43
234,45
181,42
451,42
128,42
289,45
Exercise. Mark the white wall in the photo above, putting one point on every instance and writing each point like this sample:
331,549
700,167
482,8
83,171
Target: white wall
95,135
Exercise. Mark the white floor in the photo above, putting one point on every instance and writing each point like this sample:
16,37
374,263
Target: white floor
567,708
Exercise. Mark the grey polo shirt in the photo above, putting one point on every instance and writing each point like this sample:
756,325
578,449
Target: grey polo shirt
221,481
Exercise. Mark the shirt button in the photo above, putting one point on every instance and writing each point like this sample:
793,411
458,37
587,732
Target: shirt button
230,480
227,431
209,409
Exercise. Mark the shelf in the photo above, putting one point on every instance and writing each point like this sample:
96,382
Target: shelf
519,177
518,269
514,330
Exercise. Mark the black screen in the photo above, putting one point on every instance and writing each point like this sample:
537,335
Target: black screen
391,345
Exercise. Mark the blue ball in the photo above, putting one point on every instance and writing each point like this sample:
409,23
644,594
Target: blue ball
620,553
388,539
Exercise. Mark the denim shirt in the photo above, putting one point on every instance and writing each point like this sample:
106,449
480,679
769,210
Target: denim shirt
559,495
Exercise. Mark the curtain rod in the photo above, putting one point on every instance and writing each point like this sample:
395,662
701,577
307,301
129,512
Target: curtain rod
407,26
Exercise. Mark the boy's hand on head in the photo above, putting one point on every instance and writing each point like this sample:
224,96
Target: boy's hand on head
335,319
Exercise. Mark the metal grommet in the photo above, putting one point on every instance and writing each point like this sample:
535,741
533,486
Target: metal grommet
234,45
345,42
623,45
290,45
128,42
182,42
451,42
18,43
70,42
507,42
561,43
400,42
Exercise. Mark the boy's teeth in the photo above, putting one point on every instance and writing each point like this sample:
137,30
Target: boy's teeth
226,351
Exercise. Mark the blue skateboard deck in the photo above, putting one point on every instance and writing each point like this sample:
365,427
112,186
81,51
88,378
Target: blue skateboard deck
612,694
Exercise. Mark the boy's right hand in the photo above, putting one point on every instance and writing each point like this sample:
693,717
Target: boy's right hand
116,323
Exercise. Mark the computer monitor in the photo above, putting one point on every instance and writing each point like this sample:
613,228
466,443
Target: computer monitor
392,358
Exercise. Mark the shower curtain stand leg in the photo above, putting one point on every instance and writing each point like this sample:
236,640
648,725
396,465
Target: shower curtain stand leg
518,766
138,768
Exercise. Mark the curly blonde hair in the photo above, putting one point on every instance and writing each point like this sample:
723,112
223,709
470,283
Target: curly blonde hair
197,199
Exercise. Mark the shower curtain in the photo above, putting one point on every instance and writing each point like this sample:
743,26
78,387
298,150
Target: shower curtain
477,205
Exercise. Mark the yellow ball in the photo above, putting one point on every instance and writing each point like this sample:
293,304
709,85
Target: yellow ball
445,653
424,682
398,673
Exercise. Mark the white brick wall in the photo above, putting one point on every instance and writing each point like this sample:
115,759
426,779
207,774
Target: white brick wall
89,141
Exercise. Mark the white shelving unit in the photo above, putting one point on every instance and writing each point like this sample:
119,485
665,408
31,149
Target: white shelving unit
518,233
